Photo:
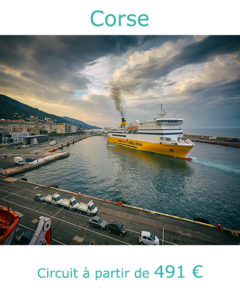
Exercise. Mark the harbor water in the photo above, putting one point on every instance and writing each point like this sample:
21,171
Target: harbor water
206,187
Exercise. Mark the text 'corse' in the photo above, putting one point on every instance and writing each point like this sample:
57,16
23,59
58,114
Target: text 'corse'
99,18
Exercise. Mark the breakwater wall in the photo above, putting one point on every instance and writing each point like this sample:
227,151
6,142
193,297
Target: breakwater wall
35,164
223,141
66,144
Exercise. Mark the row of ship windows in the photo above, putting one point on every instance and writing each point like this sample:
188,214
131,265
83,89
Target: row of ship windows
169,122
150,133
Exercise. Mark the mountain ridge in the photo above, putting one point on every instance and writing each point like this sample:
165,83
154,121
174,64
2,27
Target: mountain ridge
10,108
80,123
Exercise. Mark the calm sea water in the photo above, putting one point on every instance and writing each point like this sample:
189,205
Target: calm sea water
208,186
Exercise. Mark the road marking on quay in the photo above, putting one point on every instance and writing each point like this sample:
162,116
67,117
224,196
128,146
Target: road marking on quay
79,239
34,220
56,213
135,207
123,217
72,224
82,214
43,206
70,211
158,226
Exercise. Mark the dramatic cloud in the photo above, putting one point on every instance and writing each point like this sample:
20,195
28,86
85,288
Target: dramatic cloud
168,75
84,76
46,70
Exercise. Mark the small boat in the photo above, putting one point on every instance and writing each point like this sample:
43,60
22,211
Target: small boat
8,224
10,235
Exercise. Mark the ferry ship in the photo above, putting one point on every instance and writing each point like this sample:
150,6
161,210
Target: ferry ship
163,135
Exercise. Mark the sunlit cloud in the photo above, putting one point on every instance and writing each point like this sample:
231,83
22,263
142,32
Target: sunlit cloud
74,75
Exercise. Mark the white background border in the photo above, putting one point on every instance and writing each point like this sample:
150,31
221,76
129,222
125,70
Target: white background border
19,265
73,16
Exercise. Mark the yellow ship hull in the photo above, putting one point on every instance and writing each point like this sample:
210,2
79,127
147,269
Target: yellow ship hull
170,150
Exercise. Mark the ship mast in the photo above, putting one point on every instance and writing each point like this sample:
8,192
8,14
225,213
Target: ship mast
162,111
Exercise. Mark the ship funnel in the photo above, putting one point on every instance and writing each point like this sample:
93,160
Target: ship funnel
124,122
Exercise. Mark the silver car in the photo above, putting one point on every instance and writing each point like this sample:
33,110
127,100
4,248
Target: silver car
148,238
39,197
98,222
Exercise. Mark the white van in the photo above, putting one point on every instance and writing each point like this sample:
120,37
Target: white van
18,160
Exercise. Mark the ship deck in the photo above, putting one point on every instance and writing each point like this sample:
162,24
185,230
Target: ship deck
72,228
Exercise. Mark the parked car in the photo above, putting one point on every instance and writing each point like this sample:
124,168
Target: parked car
18,160
30,159
117,228
84,208
98,222
55,199
39,197
52,143
148,238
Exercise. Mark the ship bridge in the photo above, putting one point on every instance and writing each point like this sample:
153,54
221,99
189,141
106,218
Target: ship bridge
169,121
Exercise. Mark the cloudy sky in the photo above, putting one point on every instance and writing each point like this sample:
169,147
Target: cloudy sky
197,77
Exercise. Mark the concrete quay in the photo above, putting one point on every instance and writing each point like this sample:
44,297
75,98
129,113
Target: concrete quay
72,228
42,153
35,164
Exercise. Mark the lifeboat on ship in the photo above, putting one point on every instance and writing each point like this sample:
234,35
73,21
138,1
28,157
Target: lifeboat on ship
9,235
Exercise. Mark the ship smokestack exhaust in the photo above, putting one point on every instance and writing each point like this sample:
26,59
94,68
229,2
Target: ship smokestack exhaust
124,122
116,96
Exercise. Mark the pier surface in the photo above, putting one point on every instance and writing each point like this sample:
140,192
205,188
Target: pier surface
72,228
38,152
